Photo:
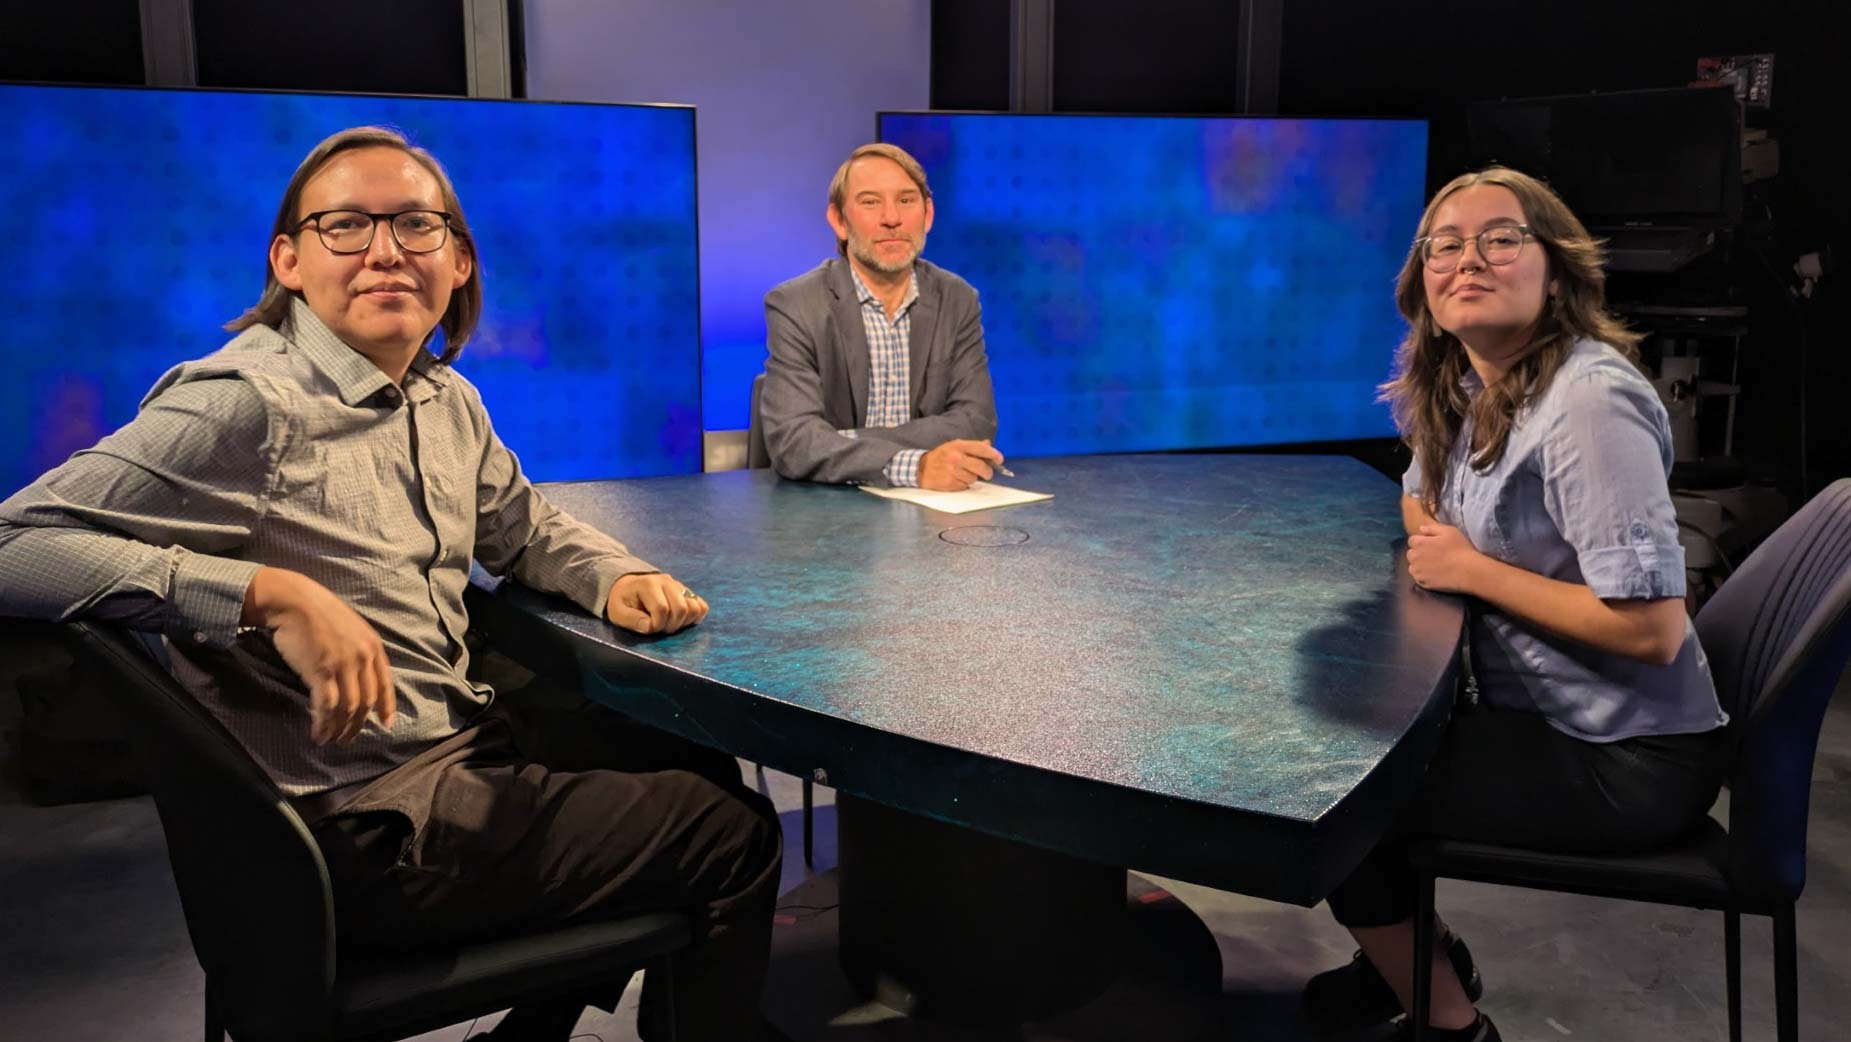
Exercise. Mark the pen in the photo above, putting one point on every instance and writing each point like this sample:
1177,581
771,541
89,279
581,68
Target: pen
998,466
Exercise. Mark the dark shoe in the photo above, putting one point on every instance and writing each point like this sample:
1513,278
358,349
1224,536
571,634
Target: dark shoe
1355,995
1483,1031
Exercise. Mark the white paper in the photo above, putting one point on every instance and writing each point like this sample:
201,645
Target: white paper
980,496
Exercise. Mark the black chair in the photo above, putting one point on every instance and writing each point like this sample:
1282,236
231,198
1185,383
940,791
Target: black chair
258,906
757,455
757,458
1778,634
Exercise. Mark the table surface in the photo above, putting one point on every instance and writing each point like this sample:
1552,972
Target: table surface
1206,666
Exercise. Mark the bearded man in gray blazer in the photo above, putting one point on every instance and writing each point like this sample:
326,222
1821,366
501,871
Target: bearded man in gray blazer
877,372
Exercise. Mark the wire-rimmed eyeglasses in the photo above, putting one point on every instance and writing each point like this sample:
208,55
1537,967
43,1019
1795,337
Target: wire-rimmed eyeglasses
1497,245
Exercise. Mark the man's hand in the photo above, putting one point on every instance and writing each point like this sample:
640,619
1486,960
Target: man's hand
653,602
1441,558
339,657
954,465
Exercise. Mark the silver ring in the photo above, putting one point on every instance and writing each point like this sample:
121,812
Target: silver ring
687,593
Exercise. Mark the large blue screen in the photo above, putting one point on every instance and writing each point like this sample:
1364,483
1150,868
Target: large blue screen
1173,283
137,222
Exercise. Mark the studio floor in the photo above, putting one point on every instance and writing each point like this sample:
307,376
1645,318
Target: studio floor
92,945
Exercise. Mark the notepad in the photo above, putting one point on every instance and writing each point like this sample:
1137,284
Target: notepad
980,496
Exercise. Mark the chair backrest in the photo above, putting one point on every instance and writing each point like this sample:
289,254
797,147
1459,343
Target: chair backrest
1778,634
251,879
757,455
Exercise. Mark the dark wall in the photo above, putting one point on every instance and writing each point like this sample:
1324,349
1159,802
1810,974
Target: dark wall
1196,40
361,46
358,46
73,41
1110,56
970,54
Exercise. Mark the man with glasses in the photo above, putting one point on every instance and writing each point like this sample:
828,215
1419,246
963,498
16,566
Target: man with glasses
296,515
877,371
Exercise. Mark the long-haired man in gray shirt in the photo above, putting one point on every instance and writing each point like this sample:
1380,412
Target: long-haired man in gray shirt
295,516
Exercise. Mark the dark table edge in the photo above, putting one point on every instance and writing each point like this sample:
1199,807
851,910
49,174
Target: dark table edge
1262,855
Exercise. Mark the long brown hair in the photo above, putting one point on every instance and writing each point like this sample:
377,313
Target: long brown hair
459,319
1429,404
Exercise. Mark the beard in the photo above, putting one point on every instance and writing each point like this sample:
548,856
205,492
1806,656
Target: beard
865,254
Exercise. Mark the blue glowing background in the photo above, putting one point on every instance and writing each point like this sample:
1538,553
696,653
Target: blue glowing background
138,221
1171,283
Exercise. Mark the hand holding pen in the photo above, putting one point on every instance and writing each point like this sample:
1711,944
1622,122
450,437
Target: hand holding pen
956,465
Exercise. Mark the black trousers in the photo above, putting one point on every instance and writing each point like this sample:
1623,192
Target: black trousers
1507,777
561,811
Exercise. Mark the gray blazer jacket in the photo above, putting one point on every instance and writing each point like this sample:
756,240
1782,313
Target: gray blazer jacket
816,381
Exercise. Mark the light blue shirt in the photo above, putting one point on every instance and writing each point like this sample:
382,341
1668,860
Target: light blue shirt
1580,495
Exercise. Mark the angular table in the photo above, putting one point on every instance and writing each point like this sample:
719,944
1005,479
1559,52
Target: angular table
1212,667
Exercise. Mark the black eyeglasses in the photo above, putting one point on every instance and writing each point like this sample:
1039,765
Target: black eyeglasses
351,231
1497,245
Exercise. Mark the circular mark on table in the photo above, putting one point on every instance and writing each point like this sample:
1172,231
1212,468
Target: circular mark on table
984,535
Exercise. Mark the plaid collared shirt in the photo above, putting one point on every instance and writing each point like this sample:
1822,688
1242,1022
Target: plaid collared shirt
889,373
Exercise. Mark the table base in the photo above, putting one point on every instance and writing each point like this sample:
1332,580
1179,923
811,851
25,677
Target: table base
1169,974
947,923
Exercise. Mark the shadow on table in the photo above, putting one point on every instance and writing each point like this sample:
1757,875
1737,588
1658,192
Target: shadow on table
1379,651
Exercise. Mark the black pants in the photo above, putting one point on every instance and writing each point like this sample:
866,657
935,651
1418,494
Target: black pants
1507,777
562,811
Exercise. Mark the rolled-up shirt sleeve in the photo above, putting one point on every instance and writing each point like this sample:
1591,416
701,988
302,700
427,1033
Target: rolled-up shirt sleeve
1411,481
1605,461
146,528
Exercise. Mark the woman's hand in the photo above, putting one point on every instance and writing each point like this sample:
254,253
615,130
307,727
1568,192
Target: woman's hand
1441,558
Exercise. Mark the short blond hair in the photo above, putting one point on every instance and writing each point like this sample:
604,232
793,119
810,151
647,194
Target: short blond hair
838,185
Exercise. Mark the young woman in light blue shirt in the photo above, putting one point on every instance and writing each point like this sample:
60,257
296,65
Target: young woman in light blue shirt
1538,491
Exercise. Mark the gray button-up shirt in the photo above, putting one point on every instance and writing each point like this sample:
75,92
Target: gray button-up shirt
1580,495
288,448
